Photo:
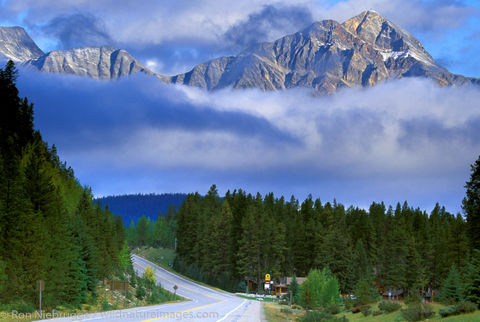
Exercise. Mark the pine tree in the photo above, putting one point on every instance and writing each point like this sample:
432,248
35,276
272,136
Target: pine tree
293,288
124,260
364,291
131,234
362,268
221,237
249,250
337,254
471,204
48,229
278,249
414,269
472,278
452,290
142,230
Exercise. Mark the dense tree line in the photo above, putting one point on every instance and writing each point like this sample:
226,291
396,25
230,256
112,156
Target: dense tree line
242,235
50,229
133,206
153,233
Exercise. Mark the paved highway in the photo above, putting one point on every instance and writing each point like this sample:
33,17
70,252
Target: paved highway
204,304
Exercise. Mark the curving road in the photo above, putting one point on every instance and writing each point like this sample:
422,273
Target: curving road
204,304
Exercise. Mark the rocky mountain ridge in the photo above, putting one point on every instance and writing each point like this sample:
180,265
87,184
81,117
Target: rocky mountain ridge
16,44
95,62
325,56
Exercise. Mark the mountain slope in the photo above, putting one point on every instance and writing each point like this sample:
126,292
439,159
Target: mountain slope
95,62
364,50
16,44
325,56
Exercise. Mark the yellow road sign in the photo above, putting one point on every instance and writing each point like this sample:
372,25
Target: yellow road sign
267,277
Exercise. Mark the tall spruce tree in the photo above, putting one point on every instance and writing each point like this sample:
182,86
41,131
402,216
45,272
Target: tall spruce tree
471,204
472,278
452,289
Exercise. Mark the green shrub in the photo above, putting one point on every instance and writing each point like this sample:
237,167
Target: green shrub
140,292
106,306
333,308
449,311
19,306
460,308
348,302
389,307
465,307
417,312
316,316
366,312
364,292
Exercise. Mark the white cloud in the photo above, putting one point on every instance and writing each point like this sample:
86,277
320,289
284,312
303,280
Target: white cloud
408,127
156,22
406,138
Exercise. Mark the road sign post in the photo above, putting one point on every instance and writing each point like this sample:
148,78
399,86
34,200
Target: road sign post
175,287
41,287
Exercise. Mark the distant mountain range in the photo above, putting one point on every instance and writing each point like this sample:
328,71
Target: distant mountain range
132,207
325,56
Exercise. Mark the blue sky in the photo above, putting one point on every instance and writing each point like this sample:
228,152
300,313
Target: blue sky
402,140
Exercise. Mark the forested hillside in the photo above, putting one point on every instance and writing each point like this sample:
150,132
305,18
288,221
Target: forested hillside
50,229
132,207
244,235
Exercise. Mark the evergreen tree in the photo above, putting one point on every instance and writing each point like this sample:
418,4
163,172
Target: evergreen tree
131,234
337,255
472,278
48,229
124,260
221,237
361,262
249,250
452,290
471,204
293,289
142,228
319,289
414,270
364,292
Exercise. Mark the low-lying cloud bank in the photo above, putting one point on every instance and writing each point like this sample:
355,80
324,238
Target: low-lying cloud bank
402,140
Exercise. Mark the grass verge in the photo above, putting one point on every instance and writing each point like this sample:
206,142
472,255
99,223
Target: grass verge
275,312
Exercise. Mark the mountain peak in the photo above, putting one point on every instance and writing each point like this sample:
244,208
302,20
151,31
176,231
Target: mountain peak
325,56
387,37
16,44
102,62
